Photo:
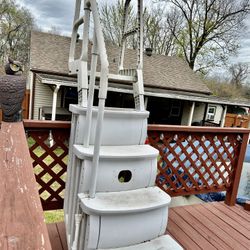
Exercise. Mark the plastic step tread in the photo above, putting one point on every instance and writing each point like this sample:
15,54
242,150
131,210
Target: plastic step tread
165,242
132,201
117,152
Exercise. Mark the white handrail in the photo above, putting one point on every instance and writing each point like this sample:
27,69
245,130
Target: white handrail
74,31
124,28
85,38
83,61
102,97
141,31
91,92
138,87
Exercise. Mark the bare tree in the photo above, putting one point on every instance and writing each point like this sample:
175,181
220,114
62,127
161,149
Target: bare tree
54,30
15,26
239,73
112,21
206,31
157,35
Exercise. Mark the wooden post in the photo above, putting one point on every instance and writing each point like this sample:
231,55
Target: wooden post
233,190
191,114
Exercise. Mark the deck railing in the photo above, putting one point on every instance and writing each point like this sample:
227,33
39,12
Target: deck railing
48,145
197,160
192,160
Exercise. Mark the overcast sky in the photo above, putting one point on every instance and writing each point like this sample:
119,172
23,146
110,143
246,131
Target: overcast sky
59,13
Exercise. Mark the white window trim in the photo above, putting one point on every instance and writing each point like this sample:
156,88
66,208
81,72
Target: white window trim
211,115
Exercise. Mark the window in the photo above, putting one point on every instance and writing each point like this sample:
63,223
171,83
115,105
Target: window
175,109
211,112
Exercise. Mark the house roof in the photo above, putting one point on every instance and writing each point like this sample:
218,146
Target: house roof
50,53
149,91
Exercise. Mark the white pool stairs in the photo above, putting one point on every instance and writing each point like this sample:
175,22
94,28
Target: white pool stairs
111,201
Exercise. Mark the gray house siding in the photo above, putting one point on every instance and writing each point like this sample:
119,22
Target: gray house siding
43,97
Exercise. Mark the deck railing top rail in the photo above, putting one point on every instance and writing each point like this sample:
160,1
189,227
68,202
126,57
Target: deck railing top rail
31,124
191,160
197,129
22,222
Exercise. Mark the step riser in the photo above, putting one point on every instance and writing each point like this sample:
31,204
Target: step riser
130,133
114,175
124,229
120,129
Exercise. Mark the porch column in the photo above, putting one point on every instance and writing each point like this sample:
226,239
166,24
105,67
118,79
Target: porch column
146,102
223,116
191,114
53,115
30,87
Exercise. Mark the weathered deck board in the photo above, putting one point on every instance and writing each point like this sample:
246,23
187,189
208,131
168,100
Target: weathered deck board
198,226
234,216
239,211
57,234
208,220
21,216
207,234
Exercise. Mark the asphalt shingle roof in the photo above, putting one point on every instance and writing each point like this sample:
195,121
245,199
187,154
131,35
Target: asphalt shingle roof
50,52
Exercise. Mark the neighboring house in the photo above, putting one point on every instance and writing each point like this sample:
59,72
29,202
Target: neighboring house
174,94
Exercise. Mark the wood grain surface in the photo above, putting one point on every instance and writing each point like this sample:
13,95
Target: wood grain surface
22,223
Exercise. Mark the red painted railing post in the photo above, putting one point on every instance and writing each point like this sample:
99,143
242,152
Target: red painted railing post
233,190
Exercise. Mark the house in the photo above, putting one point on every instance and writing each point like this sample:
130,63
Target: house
174,94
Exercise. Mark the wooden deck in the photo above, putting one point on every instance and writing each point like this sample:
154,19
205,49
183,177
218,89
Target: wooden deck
210,226
57,235
202,226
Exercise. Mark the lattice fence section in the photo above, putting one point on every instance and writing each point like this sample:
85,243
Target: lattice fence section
191,163
192,159
49,151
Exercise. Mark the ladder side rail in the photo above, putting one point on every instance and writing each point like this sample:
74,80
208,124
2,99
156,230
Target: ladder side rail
91,91
70,178
138,86
102,96
140,34
74,40
77,9
74,199
85,39
124,38
83,61
76,25
69,181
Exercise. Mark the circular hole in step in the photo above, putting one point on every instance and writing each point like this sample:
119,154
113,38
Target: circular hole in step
124,176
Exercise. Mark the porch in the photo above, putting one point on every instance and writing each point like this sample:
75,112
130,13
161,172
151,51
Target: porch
214,164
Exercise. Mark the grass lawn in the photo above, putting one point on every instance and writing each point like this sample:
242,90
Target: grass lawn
54,215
